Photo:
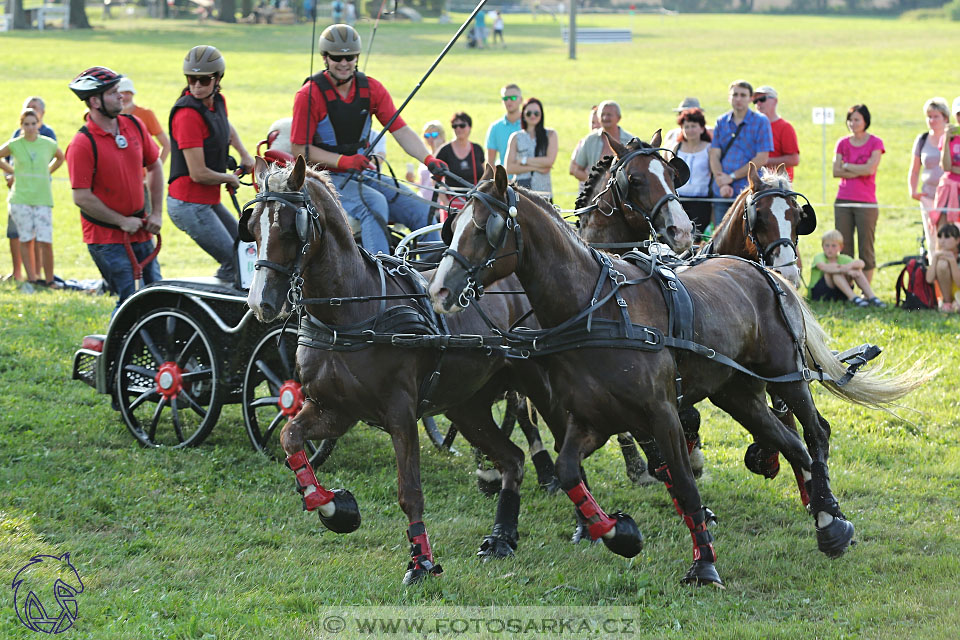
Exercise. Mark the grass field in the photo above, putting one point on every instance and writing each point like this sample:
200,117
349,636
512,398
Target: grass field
211,542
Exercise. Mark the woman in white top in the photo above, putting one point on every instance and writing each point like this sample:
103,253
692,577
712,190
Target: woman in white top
926,164
694,149
434,137
532,151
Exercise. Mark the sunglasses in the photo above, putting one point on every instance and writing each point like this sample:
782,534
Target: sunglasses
203,81
511,98
431,134
531,114
350,57
459,125
760,99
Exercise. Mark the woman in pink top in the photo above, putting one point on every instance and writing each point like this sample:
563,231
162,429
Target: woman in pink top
948,191
856,161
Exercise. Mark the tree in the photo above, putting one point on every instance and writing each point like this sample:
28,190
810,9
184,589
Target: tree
15,8
78,15
228,11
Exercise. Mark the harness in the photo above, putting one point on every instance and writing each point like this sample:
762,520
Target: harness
347,126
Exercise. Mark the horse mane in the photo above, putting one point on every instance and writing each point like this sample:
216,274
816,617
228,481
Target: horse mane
551,210
599,170
768,178
319,185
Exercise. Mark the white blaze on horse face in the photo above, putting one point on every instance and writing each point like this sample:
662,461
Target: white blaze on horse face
460,224
255,296
678,216
785,260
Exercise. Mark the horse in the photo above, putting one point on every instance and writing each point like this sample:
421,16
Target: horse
606,356
306,249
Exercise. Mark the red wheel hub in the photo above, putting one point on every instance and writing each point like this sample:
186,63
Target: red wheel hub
169,380
290,398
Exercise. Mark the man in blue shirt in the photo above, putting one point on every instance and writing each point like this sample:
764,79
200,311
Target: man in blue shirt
498,135
741,136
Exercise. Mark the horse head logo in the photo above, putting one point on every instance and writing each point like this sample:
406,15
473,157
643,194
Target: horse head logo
46,580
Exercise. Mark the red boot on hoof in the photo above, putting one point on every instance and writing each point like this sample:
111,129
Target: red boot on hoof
313,493
421,564
703,571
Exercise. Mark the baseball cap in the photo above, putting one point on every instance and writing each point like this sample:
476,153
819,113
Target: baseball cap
956,106
688,103
126,84
766,90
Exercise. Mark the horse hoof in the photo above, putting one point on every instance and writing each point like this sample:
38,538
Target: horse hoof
346,514
419,569
546,472
627,540
834,538
489,487
494,547
703,573
761,461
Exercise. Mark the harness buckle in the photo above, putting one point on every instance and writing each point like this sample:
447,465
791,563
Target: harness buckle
370,333
650,334
621,302
467,338
335,302
397,337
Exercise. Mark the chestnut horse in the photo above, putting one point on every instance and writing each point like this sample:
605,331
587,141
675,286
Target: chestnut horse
758,332
306,250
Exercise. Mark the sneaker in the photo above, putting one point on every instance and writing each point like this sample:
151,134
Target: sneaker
860,302
26,287
877,302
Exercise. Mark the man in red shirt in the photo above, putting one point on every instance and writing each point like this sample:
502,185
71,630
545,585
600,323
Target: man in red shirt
106,159
785,148
331,127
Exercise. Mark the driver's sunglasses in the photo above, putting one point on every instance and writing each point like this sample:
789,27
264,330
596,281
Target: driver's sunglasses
350,57
513,98
203,81
760,99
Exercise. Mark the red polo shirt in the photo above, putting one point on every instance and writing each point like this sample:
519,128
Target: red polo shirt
118,181
189,130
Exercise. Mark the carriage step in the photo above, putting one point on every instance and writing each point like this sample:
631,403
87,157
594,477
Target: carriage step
85,366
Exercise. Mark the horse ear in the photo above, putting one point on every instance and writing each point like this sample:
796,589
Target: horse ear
488,171
656,139
753,177
500,179
618,149
259,168
298,175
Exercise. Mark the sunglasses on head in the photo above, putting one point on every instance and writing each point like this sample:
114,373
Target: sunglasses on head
531,114
760,99
203,81
511,98
350,57
459,125
431,134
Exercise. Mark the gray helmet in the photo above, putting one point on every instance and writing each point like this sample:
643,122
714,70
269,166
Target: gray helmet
204,60
339,39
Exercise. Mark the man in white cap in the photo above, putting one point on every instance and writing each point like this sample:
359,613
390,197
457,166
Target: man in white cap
149,118
785,148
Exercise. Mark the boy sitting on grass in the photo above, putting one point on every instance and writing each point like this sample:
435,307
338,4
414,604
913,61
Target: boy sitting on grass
833,275
943,266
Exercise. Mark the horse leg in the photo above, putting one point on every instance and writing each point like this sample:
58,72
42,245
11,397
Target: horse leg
766,462
690,422
581,529
542,462
834,531
634,463
479,428
618,531
338,509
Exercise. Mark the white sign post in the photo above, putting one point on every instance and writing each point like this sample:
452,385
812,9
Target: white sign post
823,116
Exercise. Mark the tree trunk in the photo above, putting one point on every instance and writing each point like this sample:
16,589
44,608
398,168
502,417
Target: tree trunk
228,10
15,7
246,7
78,15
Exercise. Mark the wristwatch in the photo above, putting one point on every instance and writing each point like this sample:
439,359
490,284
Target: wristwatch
732,176
523,160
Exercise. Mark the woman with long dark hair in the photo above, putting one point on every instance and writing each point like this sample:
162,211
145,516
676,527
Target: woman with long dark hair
532,151
693,147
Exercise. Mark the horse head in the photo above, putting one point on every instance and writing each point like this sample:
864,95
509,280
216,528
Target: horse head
288,228
484,241
642,186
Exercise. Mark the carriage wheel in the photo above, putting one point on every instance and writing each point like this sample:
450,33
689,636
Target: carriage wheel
167,380
272,395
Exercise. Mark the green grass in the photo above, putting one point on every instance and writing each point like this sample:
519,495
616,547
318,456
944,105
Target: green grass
210,542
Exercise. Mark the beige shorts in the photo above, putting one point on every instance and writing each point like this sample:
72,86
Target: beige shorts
34,222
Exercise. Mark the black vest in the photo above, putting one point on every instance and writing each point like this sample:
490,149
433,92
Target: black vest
349,121
215,146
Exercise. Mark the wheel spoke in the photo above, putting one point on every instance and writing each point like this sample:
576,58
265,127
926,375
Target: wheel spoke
151,346
176,419
288,368
197,374
170,327
156,419
267,401
149,394
200,411
182,358
273,425
150,374
269,374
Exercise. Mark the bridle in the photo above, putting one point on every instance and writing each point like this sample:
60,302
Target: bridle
496,229
806,225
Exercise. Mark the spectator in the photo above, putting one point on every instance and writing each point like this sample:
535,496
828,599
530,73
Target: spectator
31,198
673,136
351,12
834,274
947,201
786,151
926,165
148,117
532,151
465,158
594,146
499,132
43,253
108,186
498,29
331,121
594,125
202,136
434,137
480,27
336,9
693,148
856,161
943,267
741,136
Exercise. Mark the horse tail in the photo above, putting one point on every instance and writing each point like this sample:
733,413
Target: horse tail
877,387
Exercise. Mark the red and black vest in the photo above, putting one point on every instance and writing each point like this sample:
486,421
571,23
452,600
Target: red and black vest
215,146
347,126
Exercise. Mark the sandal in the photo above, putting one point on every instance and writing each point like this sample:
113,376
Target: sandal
947,307
877,302
860,302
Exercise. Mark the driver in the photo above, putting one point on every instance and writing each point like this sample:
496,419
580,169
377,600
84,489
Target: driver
335,107
201,136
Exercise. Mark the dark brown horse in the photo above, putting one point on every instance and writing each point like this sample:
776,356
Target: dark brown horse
306,249
740,312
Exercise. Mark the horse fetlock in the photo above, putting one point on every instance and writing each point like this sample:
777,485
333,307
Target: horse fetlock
313,493
599,522
421,563
762,462
626,539
546,472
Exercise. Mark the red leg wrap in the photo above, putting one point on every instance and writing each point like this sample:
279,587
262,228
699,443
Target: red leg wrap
312,491
664,472
419,543
702,538
773,463
691,445
804,496
600,522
